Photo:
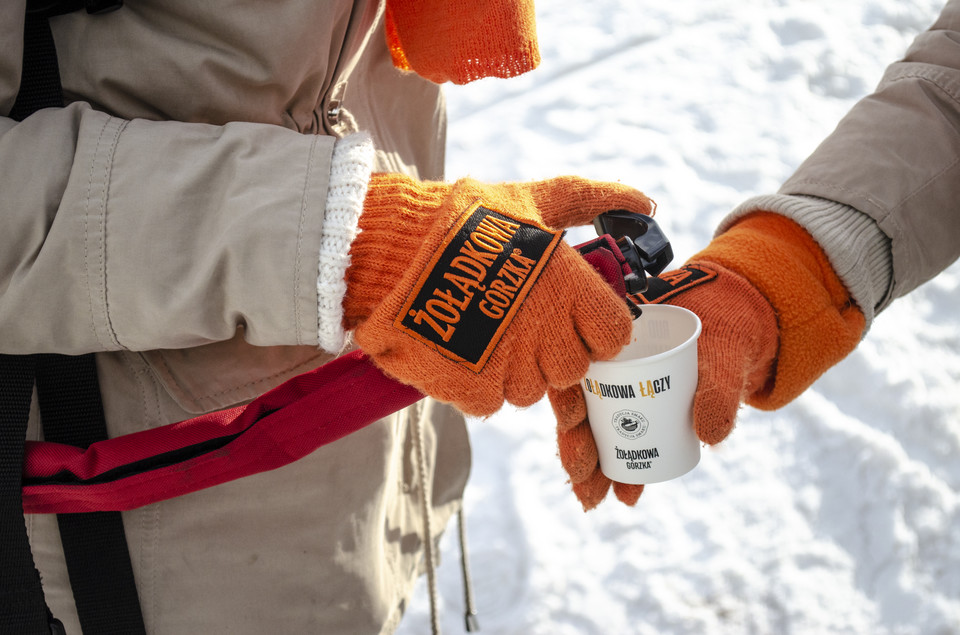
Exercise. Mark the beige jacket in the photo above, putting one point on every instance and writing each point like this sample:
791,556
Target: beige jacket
169,219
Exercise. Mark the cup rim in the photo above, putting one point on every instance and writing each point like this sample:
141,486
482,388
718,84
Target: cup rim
612,363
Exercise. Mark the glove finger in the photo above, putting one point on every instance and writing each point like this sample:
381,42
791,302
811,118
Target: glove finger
719,393
593,490
564,360
568,201
578,452
560,353
626,493
524,384
569,407
736,348
603,321
714,414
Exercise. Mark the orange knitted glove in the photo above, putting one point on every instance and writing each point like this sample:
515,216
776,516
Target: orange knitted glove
468,292
462,40
775,317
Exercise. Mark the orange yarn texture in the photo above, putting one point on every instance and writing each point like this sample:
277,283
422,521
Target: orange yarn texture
819,324
467,292
462,40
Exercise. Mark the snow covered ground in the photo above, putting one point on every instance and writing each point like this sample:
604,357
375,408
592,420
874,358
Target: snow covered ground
837,514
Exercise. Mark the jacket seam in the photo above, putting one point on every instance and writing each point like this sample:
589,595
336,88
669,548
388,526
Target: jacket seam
86,233
892,221
789,191
929,181
886,214
100,240
922,77
299,255
107,173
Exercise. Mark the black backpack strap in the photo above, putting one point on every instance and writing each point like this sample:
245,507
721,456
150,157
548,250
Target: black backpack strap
40,80
22,606
94,544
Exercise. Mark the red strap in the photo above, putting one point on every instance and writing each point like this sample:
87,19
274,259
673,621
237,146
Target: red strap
603,255
279,427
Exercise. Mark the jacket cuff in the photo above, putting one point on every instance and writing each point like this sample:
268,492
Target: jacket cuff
858,250
350,170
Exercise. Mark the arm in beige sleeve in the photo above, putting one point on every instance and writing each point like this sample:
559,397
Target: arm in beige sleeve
142,234
880,193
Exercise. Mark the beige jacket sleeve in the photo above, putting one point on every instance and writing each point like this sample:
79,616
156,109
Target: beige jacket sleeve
880,193
896,158
141,235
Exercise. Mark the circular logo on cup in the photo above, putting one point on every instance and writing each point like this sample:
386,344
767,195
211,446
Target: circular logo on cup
630,424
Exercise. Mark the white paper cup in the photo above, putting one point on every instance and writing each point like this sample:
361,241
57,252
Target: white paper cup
640,403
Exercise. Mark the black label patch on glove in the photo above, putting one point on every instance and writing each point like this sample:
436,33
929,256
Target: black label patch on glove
660,289
474,285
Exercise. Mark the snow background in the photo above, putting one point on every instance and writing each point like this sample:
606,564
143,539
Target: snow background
836,514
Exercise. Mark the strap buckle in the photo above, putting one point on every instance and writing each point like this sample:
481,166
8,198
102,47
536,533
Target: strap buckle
635,241
640,239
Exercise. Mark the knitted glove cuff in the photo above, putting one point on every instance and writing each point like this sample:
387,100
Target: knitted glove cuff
818,322
464,40
397,213
858,249
350,169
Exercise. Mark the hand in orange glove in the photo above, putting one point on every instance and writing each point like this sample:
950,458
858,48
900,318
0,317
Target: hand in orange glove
468,292
775,317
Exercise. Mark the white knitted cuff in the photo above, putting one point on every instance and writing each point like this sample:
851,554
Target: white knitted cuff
350,170
855,245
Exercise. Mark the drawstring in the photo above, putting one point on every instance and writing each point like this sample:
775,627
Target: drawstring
470,613
427,525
